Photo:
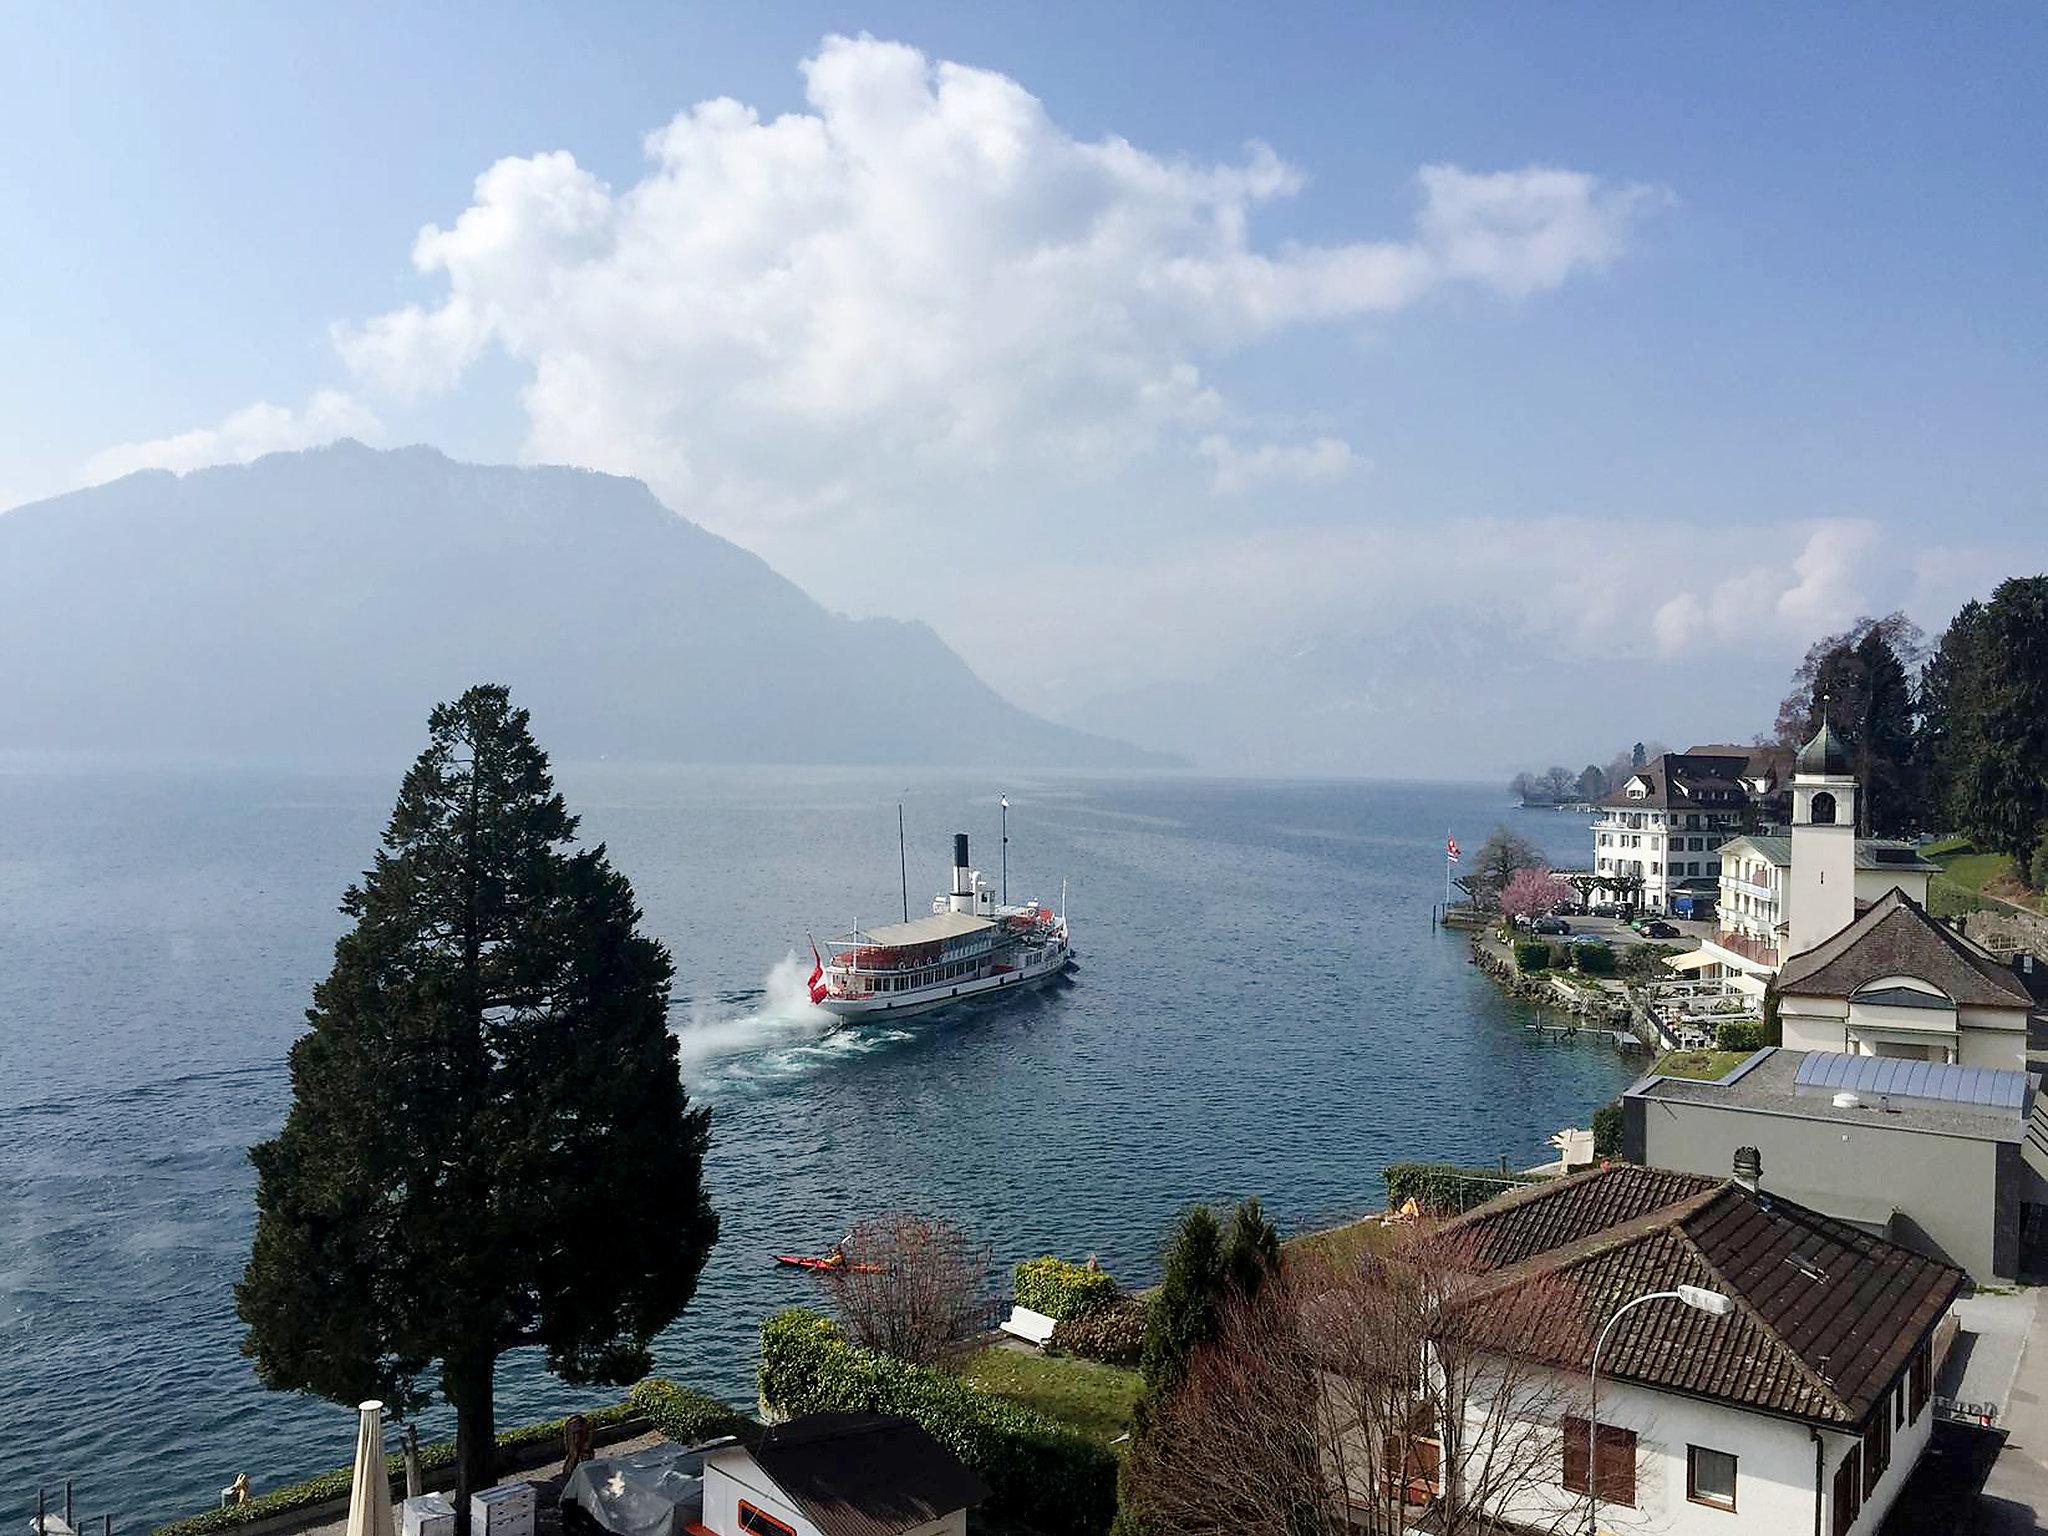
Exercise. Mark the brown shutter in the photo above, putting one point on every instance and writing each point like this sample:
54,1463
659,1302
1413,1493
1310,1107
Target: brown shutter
1848,1498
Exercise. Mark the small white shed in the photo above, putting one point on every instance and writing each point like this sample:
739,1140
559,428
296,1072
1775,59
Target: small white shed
839,1474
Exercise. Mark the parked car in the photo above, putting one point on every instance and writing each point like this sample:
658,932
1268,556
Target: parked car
1550,925
1658,931
1605,909
1592,938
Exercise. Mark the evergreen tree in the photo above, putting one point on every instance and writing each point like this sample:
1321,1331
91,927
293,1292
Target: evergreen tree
2008,779
1592,782
1891,802
1860,686
1951,718
489,1145
1207,1261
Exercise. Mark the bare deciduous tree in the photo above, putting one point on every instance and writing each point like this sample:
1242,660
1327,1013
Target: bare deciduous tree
911,1287
1341,1400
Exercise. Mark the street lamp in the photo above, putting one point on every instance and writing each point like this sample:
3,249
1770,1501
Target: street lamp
1700,1299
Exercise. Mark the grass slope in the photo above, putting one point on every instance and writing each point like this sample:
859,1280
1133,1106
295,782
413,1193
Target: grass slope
1095,1399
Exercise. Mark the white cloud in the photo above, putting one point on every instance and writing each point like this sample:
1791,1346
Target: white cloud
1571,587
920,275
243,435
1239,469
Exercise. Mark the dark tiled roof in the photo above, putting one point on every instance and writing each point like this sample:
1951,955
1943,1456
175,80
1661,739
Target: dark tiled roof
866,1474
1896,937
1826,1316
1708,778
1530,1221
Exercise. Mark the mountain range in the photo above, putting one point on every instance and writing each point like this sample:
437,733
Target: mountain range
314,606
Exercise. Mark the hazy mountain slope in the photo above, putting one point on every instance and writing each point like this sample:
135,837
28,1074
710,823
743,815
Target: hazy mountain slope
315,605
1444,690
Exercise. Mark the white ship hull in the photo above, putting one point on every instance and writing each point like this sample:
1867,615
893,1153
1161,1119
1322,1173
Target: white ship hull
973,945
924,1000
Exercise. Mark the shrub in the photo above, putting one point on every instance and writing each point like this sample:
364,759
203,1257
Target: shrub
1062,1290
1607,1125
687,1416
435,1457
1445,1187
1114,1335
1531,954
1740,1035
1593,959
1039,1473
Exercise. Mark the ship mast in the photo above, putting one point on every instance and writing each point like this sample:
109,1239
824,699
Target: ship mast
902,862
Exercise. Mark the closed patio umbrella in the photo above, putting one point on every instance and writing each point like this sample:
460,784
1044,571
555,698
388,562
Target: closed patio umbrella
369,1494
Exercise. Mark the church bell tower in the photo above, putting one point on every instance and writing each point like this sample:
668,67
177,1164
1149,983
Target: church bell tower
1823,884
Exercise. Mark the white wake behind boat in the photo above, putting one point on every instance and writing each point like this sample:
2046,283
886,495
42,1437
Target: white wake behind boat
973,945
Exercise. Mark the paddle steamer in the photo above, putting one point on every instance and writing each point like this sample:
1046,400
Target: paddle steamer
973,945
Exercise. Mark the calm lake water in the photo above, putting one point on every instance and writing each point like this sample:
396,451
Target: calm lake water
1261,1008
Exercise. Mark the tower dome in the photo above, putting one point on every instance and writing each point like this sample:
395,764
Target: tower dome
1825,754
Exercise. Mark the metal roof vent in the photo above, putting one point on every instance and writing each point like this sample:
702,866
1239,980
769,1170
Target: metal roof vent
1749,1167
1847,1101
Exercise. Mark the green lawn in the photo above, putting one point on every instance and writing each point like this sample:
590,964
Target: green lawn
1703,1066
1095,1399
1967,876
1342,1247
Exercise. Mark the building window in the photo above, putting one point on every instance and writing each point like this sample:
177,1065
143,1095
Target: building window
1821,810
1617,1461
755,1523
1848,1500
1917,1380
1877,1451
1710,1477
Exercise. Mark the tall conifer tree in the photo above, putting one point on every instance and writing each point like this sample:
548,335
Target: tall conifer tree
489,1145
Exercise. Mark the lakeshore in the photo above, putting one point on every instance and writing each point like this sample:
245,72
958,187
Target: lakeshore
161,1004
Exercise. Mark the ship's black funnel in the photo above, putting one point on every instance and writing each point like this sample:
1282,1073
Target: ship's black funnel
959,850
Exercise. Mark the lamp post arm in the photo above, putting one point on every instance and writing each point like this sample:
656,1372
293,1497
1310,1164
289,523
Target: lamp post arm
1593,1406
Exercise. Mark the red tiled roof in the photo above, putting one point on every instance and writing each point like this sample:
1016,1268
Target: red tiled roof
1826,1316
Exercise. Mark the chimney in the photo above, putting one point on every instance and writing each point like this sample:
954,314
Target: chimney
1749,1168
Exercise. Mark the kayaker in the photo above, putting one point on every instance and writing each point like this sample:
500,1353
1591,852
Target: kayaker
835,1257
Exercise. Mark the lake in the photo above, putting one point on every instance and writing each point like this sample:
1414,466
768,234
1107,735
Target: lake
1261,1007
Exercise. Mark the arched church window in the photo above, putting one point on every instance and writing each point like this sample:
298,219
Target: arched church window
1823,809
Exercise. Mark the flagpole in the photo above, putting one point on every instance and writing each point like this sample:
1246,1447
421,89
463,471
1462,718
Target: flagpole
1447,871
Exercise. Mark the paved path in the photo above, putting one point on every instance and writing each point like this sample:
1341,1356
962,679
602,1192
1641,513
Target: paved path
2015,1497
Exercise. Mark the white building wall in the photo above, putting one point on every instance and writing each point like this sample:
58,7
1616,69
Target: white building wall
1773,1470
730,1476
1970,1036
1776,1488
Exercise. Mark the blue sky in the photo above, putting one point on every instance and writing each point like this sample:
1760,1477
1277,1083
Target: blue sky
1802,299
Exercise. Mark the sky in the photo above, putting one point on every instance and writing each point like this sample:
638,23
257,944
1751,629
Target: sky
1330,388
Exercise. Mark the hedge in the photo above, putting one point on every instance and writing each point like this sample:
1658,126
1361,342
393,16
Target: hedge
1445,1188
434,1457
1039,1473
1113,1335
1593,959
1740,1035
687,1416
1531,955
1060,1289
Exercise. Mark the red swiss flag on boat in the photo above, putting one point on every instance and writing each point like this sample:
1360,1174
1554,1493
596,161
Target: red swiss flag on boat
1451,848
819,991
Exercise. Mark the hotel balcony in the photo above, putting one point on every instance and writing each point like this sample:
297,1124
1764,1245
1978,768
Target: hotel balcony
1750,949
